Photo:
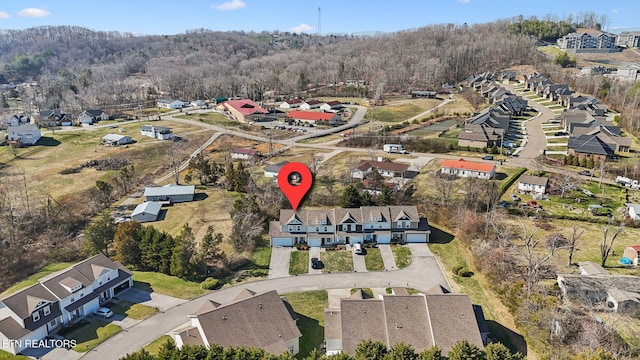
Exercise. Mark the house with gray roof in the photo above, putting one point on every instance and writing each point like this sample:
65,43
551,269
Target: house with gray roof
530,183
435,318
272,170
259,320
92,116
381,224
59,298
156,132
480,136
170,193
146,212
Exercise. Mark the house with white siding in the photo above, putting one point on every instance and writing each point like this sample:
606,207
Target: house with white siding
146,212
381,224
463,168
156,132
535,184
172,193
27,134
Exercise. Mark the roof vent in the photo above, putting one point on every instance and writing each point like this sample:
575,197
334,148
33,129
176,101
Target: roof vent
260,305
224,317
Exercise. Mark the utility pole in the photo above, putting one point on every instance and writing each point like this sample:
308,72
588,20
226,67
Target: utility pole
319,22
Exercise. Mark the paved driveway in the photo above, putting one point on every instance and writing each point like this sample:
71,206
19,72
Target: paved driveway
419,249
358,262
159,301
279,265
387,257
314,252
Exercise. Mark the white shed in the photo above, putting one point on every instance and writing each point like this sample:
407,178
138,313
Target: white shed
115,139
147,211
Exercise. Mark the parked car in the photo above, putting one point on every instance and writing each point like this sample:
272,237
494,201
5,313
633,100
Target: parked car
561,133
515,197
357,249
487,157
104,312
585,173
316,263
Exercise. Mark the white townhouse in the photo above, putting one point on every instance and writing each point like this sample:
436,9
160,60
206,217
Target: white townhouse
381,224
34,312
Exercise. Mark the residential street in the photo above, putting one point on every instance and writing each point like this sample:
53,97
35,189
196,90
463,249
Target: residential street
132,339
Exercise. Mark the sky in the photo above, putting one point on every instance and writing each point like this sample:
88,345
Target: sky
162,17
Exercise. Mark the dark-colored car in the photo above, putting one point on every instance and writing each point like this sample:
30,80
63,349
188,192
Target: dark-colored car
316,263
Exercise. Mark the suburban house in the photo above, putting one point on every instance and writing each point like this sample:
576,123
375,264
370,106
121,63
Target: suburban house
198,103
291,104
511,104
630,72
317,118
588,40
92,116
381,224
463,168
60,298
480,136
536,184
595,289
169,104
48,118
423,94
14,120
384,168
272,170
258,320
25,134
156,132
146,212
634,211
331,105
435,318
600,142
628,39
242,110
116,139
311,104
170,193
244,154
633,254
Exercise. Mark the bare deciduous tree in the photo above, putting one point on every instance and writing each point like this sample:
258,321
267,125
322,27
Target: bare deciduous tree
606,245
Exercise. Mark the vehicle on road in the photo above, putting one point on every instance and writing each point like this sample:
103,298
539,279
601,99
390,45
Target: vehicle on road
487,157
515,197
560,133
394,149
104,312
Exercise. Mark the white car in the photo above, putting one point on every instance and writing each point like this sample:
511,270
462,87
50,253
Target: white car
104,312
357,249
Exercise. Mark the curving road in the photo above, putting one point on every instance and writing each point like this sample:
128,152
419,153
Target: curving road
423,273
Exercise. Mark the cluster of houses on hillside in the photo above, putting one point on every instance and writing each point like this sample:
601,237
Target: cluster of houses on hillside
585,119
490,127
591,40
21,131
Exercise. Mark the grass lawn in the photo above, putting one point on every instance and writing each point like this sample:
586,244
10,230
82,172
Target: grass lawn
154,347
337,261
299,262
373,259
89,334
166,285
402,255
395,113
6,356
310,307
33,279
260,258
132,310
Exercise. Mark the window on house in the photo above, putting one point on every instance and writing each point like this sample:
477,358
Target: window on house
326,229
73,299
35,316
47,310
298,228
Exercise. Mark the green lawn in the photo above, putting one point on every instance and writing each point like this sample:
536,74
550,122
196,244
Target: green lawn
154,347
33,279
394,113
299,262
132,310
402,255
167,285
89,334
337,261
310,307
6,356
260,259
373,259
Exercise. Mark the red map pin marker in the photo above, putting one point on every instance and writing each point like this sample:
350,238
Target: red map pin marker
300,175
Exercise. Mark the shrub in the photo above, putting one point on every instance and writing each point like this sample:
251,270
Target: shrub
456,269
210,284
464,272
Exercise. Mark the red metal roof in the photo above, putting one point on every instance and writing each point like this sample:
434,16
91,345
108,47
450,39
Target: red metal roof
635,247
245,151
310,115
246,107
467,165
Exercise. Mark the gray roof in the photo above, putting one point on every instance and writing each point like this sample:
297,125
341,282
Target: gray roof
11,329
590,144
25,301
169,190
252,320
147,207
577,287
534,180
275,168
592,268
114,137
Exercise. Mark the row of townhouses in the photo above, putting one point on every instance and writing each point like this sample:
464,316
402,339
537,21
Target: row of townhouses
381,224
39,310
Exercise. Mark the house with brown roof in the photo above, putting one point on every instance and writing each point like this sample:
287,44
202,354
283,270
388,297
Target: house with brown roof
313,117
436,318
464,168
311,104
242,110
291,104
57,299
480,136
381,224
244,154
530,183
331,105
384,168
259,320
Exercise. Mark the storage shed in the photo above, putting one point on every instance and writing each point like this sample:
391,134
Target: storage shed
146,212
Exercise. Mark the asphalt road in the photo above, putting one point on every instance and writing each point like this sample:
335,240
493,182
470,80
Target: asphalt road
423,273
